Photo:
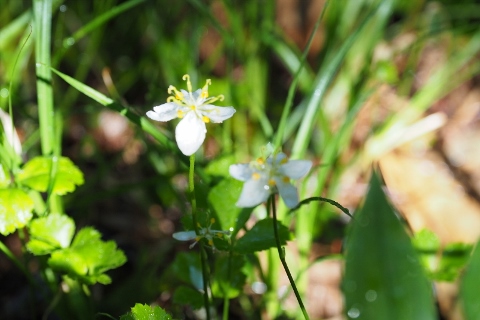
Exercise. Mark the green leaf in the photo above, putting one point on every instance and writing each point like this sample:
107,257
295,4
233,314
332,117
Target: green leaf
186,295
228,279
223,197
261,237
4,177
36,175
146,312
50,233
383,276
454,258
220,166
470,286
187,268
15,209
88,257
426,240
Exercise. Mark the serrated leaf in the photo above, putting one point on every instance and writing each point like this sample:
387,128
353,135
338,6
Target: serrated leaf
88,257
383,276
36,175
50,233
146,312
223,197
261,237
188,296
15,209
228,279
470,286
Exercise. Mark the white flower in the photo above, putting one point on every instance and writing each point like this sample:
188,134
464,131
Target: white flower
206,233
195,109
265,176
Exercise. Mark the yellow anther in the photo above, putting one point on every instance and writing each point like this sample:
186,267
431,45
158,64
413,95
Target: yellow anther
212,220
210,242
204,93
193,107
256,176
198,238
180,114
271,183
261,160
283,161
206,119
189,84
285,179
178,95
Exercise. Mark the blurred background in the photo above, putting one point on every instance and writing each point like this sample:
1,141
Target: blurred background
389,83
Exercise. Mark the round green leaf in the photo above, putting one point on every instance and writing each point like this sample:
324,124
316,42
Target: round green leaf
50,233
88,257
146,312
15,210
36,175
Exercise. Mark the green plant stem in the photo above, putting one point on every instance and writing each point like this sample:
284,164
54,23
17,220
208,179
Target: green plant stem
16,262
281,255
203,258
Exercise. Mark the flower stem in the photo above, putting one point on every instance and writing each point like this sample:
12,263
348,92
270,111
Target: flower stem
281,254
203,258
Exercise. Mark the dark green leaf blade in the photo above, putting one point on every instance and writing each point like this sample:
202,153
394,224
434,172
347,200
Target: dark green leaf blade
228,278
470,286
223,197
188,296
383,276
261,237
15,209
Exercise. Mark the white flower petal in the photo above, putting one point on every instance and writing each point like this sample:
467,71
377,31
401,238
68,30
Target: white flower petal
216,114
288,192
184,235
295,169
190,133
253,193
164,112
241,172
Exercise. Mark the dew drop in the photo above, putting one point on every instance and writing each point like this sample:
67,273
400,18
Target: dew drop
371,295
68,42
4,93
353,313
266,187
63,8
259,287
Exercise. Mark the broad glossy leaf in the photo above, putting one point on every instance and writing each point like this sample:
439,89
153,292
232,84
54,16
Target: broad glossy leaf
187,295
261,237
383,275
50,233
228,279
470,286
223,197
36,175
146,312
88,257
15,209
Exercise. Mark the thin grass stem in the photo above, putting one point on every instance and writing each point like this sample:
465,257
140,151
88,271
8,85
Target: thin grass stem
203,258
281,254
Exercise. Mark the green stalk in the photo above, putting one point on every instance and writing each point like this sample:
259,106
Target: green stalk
17,263
203,258
293,87
281,255
42,24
